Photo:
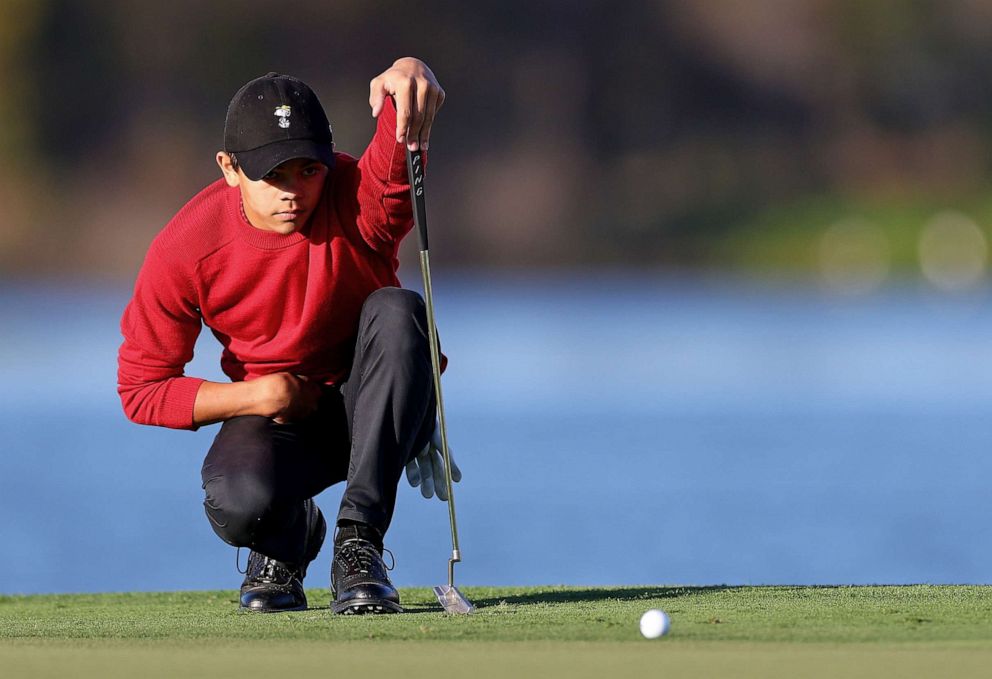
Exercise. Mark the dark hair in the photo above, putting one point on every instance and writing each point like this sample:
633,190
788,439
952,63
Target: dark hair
234,160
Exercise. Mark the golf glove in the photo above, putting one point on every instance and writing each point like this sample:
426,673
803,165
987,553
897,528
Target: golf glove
427,469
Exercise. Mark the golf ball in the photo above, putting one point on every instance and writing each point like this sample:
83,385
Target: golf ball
655,623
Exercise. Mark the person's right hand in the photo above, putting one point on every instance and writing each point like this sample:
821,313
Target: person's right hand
418,98
285,397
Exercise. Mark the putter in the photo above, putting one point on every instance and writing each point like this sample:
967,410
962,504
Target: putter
451,600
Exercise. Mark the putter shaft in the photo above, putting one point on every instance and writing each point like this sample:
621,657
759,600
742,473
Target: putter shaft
425,269
415,168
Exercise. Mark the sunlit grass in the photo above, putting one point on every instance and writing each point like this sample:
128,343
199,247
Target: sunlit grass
516,632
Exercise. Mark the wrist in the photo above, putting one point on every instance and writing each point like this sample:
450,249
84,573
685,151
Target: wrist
216,401
255,398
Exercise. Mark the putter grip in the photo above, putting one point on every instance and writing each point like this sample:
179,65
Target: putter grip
415,168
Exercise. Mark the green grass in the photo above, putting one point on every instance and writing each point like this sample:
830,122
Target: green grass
518,632
785,237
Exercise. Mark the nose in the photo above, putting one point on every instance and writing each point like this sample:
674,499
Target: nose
291,188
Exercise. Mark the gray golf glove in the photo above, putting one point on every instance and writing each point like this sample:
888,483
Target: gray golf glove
427,469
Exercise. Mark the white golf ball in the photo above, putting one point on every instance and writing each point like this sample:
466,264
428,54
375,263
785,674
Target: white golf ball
655,623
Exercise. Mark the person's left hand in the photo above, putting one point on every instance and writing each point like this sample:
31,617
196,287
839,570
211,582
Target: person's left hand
427,469
418,98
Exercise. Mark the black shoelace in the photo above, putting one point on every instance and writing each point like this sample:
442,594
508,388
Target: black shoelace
362,555
269,571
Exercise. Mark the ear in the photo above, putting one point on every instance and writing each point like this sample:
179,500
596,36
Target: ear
228,169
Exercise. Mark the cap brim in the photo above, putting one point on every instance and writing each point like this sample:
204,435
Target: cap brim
259,162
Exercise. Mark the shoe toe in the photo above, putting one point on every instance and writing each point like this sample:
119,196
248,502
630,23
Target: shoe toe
268,601
370,592
367,598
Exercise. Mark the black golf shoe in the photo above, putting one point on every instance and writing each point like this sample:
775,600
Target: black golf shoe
359,583
272,586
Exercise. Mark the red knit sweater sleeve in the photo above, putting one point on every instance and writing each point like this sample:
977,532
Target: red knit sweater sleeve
385,214
160,326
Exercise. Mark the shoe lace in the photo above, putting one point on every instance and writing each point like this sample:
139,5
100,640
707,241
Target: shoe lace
272,571
362,555
264,569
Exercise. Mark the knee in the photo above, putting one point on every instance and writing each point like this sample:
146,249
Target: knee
389,302
397,318
237,503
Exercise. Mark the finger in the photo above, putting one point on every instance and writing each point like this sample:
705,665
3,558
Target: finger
426,477
421,95
432,106
440,485
377,96
403,96
456,473
412,473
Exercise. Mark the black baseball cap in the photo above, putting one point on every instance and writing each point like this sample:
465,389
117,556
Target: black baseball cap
273,119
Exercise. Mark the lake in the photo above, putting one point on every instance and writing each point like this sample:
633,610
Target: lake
612,429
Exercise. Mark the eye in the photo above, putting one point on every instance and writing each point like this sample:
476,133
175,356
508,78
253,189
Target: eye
311,170
270,176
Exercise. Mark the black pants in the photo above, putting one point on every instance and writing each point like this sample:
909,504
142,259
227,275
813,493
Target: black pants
257,473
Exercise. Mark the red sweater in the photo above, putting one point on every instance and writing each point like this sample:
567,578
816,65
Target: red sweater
277,303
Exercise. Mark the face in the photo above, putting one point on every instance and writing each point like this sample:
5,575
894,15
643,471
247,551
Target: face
284,199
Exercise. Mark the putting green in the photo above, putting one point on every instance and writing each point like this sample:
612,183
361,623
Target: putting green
481,660
516,632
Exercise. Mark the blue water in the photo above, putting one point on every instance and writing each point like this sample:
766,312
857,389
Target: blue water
612,430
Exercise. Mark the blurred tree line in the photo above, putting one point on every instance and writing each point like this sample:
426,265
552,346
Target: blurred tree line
678,133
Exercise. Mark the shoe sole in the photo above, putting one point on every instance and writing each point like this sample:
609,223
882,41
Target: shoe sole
272,610
372,607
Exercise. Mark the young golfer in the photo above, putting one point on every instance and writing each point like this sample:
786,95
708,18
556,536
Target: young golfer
290,260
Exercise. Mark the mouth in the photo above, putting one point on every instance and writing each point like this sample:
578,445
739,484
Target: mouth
290,215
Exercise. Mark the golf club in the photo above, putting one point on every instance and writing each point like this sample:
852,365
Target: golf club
451,600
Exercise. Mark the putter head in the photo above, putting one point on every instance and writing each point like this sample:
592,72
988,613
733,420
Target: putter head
452,601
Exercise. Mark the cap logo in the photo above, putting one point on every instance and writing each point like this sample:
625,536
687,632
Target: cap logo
283,112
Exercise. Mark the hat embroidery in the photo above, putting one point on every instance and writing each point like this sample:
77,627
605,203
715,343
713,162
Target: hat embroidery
283,112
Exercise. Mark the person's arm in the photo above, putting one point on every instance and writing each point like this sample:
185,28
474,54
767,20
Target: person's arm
281,396
219,401
404,98
160,326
